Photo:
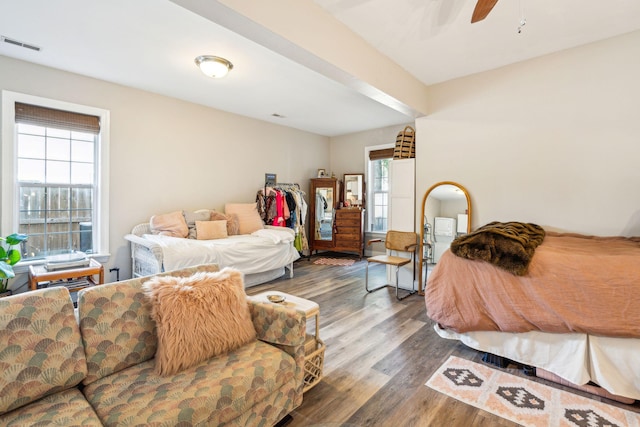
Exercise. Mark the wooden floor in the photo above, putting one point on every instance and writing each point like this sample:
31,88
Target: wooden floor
380,353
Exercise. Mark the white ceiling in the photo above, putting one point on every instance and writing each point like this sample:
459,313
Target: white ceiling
151,45
435,41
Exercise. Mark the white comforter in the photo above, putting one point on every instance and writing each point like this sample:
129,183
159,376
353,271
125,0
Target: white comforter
258,252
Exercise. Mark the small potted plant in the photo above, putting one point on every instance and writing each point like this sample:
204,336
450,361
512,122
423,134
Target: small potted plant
9,256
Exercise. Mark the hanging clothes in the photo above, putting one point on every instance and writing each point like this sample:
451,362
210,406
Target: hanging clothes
283,205
279,220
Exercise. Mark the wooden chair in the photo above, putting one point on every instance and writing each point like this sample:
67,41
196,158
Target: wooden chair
395,241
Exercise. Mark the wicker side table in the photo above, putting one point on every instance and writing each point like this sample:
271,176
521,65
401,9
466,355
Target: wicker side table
313,345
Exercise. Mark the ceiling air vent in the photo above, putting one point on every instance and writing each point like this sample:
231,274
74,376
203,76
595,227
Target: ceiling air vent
21,44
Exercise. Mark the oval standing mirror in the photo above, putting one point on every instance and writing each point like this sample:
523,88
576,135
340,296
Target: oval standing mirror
446,214
354,189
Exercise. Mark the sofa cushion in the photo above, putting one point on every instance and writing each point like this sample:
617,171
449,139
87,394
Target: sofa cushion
210,230
191,218
214,392
115,321
66,408
41,350
198,317
248,216
171,224
233,223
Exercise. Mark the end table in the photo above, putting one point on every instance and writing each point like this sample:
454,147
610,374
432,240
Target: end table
73,278
313,346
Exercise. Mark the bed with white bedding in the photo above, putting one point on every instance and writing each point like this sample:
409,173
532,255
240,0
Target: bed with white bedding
262,255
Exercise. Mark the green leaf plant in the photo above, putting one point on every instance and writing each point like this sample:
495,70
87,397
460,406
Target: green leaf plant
9,256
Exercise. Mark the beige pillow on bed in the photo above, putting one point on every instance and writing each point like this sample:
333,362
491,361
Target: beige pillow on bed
171,224
233,225
191,218
210,230
198,317
248,216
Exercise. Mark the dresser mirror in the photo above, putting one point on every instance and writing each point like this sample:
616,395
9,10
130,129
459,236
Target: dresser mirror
333,228
322,204
324,213
446,214
353,189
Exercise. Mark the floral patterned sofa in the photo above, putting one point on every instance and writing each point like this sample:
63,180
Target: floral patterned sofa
55,370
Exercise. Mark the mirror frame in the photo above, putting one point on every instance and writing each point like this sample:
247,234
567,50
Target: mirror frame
362,189
424,203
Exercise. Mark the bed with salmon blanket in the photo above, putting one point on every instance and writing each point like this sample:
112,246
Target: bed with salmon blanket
567,303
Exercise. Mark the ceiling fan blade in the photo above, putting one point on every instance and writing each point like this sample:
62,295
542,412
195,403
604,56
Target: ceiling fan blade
483,7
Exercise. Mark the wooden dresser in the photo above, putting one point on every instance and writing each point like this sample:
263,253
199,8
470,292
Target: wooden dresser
349,231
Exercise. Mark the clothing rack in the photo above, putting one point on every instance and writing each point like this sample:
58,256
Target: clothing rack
301,208
283,186
286,185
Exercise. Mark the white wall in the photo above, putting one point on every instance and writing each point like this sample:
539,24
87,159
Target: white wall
554,140
168,154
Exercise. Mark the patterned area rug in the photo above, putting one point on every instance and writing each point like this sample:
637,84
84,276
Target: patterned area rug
334,261
523,401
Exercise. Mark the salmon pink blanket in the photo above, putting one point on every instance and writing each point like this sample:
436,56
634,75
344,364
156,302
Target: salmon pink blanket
575,283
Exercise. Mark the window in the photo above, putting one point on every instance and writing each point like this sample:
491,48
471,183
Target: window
378,197
56,153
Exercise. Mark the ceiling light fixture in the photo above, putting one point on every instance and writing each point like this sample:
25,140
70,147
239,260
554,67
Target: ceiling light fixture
213,66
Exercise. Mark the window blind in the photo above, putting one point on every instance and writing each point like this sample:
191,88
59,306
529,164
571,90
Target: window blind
386,153
59,119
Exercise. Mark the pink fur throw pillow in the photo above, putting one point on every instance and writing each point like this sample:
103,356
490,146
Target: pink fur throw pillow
198,317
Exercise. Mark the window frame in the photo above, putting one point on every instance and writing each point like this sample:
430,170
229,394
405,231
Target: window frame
9,186
370,198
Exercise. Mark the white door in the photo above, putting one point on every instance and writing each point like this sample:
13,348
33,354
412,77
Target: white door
402,174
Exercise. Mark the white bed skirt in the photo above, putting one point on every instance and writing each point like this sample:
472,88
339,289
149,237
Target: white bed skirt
578,358
263,277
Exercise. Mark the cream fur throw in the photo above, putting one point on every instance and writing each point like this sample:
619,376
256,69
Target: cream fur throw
198,317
